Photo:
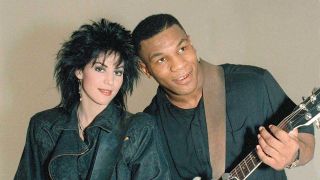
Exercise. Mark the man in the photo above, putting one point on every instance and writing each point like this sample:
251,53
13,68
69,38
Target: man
253,98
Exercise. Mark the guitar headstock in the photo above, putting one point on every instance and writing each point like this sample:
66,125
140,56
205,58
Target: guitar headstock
306,113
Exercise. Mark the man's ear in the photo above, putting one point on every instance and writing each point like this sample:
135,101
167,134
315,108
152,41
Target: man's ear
143,68
78,74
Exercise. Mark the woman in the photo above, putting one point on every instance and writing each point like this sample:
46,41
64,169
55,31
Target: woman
89,134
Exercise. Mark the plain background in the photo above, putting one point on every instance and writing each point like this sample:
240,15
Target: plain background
282,36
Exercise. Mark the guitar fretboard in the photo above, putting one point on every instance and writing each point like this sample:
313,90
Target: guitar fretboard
246,166
252,161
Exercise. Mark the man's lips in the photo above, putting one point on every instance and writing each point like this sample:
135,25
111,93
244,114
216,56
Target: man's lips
183,79
105,92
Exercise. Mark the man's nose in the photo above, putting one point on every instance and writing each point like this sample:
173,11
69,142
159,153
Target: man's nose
177,63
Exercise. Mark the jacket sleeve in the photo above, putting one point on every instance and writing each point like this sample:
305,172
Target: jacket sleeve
142,154
31,163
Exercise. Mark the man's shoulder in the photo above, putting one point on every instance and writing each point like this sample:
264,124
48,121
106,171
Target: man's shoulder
230,69
245,79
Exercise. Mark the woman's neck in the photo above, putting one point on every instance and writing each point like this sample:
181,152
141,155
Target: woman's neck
87,112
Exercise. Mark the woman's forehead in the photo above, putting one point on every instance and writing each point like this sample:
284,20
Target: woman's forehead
109,58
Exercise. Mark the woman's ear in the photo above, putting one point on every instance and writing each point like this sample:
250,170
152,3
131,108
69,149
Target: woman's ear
78,73
143,68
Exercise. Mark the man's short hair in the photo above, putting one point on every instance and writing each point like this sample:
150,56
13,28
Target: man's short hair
151,26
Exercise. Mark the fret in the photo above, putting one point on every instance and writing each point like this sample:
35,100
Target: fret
242,173
252,160
253,157
235,174
248,169
246,166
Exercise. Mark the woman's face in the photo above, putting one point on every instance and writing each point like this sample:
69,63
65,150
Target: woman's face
101,81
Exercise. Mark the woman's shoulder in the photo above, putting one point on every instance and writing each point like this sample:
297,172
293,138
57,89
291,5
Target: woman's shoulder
140,136
49,117
141,120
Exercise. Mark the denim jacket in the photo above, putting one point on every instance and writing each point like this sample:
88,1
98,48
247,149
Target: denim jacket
50,151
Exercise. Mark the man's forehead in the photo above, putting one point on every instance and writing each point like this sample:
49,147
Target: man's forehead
170,37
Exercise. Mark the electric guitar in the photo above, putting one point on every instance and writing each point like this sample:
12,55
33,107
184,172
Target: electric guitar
304,114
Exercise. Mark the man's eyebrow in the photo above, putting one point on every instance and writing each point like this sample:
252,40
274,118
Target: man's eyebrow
179,44
155,55
182,41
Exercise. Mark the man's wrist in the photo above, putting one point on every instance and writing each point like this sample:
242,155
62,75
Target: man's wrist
295,162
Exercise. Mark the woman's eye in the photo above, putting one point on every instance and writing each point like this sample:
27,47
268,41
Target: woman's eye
118,73
99,69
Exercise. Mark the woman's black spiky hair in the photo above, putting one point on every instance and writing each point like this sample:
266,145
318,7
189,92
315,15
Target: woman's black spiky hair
84,46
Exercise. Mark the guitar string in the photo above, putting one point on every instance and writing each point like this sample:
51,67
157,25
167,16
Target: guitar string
282,124
248,158
239,169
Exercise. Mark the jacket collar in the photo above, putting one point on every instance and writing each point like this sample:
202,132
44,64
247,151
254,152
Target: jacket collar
106,119
67,146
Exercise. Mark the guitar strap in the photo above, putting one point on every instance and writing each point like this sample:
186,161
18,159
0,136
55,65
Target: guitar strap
215,111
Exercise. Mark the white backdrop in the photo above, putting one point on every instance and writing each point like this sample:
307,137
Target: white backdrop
280,35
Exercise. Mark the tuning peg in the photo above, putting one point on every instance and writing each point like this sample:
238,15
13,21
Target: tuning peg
303,107
313,98
303,98
308,116
315,89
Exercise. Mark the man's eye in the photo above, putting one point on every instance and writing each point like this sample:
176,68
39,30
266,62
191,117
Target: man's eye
161,60
99,69
181,50
118,73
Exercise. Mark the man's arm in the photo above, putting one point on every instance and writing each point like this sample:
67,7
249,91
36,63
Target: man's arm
279,149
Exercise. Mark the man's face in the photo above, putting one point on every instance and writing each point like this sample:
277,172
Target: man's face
171,60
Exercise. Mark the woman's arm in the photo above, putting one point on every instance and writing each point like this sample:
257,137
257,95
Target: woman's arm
142,154
31,163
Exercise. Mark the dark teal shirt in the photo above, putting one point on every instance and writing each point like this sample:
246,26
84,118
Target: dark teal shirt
253,98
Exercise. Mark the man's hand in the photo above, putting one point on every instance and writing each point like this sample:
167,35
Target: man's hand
277,149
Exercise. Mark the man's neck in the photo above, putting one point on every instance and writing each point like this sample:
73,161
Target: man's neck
185,102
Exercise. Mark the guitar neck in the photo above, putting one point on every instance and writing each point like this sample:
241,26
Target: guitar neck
303,115
246,166
252,161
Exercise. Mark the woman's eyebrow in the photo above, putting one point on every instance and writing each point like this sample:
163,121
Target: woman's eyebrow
102,64
120,66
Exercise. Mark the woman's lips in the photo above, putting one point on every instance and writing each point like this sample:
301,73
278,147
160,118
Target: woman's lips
105,92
